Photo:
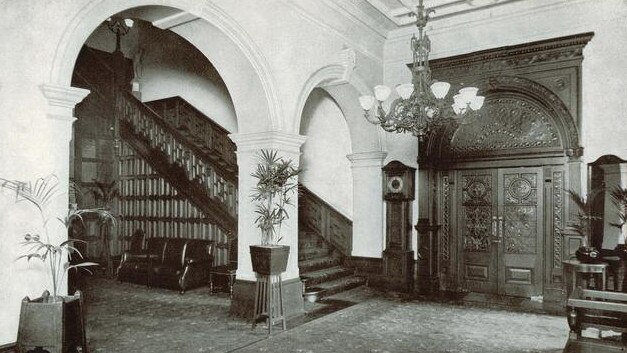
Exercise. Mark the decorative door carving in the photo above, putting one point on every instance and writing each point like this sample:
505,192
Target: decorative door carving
501,222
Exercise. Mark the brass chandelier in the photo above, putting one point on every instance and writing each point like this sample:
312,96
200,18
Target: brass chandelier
422,104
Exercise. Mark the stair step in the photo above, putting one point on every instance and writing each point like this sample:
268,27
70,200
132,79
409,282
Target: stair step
339,285
319,263
311,243
309,253
314,278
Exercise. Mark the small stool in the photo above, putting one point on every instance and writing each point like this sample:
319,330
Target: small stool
269,301
226,271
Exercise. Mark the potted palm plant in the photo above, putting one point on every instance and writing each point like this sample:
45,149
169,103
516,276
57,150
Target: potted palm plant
582,226
276,184
41,319
619,198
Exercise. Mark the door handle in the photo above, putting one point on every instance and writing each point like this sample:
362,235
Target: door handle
495,232
501,228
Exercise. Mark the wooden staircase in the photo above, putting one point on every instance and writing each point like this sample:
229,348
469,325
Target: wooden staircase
321,268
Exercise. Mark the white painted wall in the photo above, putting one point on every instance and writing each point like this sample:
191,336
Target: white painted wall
327,171
264,57
171,66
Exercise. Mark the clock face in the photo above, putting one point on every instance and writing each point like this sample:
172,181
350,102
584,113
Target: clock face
395,184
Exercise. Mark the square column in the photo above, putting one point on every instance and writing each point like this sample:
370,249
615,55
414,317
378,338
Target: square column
368,233
248,147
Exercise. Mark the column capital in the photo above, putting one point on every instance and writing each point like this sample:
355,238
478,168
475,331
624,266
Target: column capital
367,159
277,140
62,100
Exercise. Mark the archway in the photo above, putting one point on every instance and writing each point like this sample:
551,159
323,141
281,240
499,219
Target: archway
501,182
217,36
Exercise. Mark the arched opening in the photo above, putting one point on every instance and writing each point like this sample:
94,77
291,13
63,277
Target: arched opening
501,182
242,84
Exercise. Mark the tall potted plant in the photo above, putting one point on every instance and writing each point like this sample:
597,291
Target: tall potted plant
276,184
582,226
52,320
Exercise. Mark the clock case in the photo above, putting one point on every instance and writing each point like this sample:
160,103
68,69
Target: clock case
398,256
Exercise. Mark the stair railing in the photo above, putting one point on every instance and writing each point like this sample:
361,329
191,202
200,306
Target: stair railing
318,216
145,122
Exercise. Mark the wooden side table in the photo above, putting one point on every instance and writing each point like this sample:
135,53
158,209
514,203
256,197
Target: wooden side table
225,271
582,273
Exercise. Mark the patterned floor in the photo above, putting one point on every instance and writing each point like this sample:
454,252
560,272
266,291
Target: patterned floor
124,317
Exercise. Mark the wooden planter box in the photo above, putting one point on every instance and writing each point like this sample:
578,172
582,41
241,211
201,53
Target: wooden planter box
55,326
269,260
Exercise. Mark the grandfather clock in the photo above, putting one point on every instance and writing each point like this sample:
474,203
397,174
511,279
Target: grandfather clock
398,193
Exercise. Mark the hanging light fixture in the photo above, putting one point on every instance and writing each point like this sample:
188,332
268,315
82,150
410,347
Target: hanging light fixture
422,104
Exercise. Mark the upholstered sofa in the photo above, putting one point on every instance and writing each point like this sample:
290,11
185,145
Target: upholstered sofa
169,262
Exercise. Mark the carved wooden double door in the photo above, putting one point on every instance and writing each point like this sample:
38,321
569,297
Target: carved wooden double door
500,223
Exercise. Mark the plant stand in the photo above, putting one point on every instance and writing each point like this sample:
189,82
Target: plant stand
269,301
56,327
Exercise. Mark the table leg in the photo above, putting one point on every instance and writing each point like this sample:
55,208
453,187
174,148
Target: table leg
211,283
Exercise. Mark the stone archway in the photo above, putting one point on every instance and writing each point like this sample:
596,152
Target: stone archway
240,63
344,87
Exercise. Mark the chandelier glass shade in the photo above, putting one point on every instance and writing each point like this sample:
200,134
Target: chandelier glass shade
422,104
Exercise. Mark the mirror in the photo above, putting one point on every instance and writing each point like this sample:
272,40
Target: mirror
604,175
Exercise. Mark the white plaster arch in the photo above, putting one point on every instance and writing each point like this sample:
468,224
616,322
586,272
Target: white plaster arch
239,61
345,87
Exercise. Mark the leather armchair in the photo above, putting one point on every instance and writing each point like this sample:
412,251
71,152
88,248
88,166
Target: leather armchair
135,265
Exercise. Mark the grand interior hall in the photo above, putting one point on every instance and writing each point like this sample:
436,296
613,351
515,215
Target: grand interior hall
313,176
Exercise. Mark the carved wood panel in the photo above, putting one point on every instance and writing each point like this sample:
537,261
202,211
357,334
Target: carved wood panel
477,208
520,213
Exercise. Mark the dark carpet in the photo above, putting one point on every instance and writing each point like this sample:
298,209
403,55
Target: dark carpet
124,317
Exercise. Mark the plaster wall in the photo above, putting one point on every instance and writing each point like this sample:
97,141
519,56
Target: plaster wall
327,171
170,66
264,58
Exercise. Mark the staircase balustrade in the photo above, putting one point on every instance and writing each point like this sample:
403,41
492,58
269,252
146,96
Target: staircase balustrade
146,123
318,216
208,136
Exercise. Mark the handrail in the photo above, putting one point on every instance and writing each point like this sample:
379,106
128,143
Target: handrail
146,122
204,132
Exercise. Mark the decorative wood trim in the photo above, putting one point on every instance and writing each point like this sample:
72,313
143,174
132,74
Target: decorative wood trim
558,217
514,56
317,215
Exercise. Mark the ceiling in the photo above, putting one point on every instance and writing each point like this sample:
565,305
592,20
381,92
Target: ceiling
399,11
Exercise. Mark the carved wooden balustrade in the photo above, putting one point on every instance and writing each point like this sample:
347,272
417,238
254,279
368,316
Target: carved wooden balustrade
318,216
205,134
168,186
143,122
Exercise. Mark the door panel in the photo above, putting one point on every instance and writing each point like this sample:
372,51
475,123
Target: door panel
479,261
500,222
520,206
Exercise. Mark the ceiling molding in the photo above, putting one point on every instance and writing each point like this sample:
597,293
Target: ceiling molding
354,14
376,57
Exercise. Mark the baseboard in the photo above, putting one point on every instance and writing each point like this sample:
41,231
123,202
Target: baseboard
366,265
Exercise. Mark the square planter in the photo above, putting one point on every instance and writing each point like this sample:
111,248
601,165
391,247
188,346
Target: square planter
55,326
269,260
